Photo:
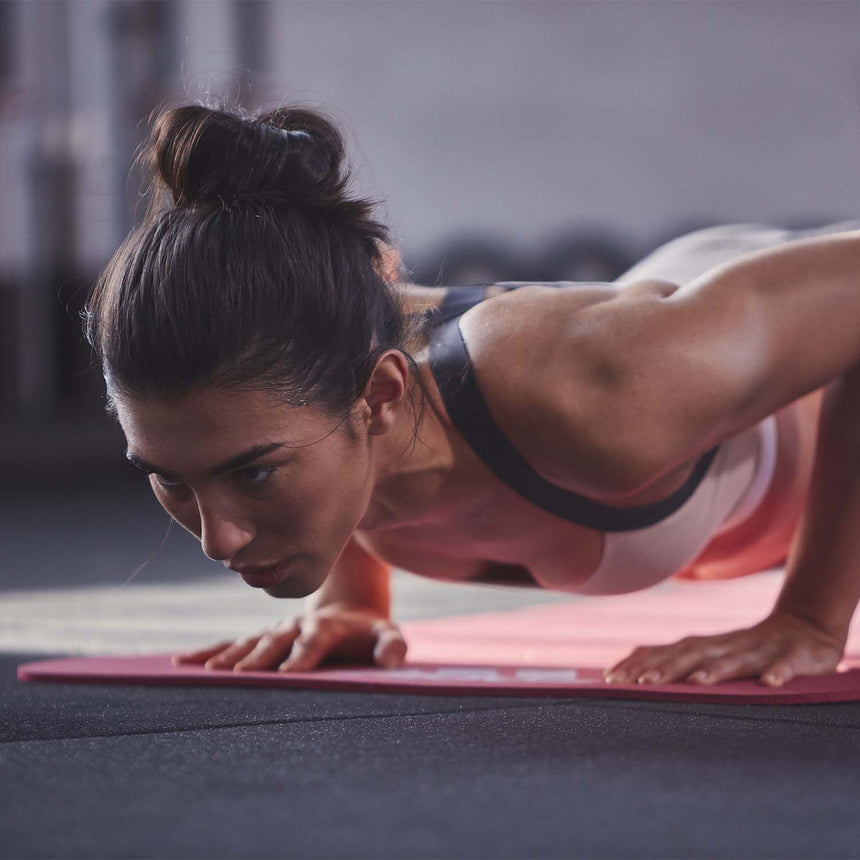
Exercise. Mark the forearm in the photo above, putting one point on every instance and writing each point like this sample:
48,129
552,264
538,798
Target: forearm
823,570
358,578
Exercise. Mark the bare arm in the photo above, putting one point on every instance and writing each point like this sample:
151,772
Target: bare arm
806,631
702,362
823,571
346,618
358,579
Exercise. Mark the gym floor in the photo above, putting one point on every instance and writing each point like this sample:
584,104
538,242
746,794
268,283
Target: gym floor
116,771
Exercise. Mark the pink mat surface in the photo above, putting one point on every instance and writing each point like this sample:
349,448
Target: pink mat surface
555,650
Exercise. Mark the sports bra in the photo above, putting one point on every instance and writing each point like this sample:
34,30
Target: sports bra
451,366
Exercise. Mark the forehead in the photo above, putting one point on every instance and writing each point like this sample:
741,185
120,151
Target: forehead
210,425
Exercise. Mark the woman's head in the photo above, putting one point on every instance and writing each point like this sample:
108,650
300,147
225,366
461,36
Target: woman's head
254,282
259,272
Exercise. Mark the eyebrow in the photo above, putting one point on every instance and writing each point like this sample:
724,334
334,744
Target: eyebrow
246,458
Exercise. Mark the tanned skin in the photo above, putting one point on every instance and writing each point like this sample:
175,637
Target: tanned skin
609,390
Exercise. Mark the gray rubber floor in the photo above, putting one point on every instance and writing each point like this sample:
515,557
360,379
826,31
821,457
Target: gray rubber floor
151,772
94,771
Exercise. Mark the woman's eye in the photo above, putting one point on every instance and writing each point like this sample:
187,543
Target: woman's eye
254,476
165,483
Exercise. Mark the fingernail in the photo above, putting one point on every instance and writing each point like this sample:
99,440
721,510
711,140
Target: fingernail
699,676
650,677
613,678
772,679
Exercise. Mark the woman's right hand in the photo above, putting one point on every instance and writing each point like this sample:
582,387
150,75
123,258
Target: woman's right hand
336,631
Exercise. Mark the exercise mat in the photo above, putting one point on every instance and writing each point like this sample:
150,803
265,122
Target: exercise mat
554,650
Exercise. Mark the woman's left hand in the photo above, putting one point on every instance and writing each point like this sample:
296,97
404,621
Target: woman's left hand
781,647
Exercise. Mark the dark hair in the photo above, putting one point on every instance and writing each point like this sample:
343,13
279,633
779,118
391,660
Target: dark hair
252,268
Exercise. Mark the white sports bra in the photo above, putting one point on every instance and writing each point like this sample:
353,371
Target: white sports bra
642,545
730,492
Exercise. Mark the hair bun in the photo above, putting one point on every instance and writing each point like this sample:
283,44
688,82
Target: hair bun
287,156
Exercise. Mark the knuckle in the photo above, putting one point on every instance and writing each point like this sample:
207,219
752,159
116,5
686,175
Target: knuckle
277,637
313,641
678,670
311,628
721,665
721,650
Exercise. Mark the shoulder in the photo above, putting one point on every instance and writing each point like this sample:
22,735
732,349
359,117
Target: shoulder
549,377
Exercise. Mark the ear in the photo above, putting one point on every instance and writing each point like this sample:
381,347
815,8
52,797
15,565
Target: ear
385,392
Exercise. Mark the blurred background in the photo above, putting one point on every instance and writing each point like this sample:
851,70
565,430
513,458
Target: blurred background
507,140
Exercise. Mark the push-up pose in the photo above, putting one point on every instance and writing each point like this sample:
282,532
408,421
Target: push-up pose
313,419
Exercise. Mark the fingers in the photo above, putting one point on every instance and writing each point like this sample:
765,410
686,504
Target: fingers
224,655
315,642
200,656
732,666
352,638
304,643
390,650
802,661
700,660
271,649
660,664
231,655
777,674
669,664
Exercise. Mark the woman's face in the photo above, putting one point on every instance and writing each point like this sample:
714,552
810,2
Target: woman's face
273,491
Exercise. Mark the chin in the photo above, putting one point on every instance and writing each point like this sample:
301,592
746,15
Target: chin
292,588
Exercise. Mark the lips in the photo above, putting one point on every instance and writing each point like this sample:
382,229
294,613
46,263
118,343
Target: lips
266,577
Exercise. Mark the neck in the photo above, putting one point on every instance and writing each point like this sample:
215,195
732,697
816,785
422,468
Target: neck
421,471
425,474
412,472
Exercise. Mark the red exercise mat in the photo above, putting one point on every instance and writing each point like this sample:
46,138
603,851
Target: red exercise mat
553,650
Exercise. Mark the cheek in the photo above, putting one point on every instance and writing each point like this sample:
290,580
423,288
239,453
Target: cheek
182,508
350,491
337,492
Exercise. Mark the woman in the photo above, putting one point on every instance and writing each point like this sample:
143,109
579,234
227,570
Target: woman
313,420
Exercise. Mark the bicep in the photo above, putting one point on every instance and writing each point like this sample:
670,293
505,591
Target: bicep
603,390
735,346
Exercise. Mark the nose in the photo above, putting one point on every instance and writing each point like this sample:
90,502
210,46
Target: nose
223,532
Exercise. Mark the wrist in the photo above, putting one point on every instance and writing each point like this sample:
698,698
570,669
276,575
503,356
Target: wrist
358,580
348,602
834,625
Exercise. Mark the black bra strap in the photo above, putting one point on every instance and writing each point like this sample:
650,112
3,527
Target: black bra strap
452,368
457,300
